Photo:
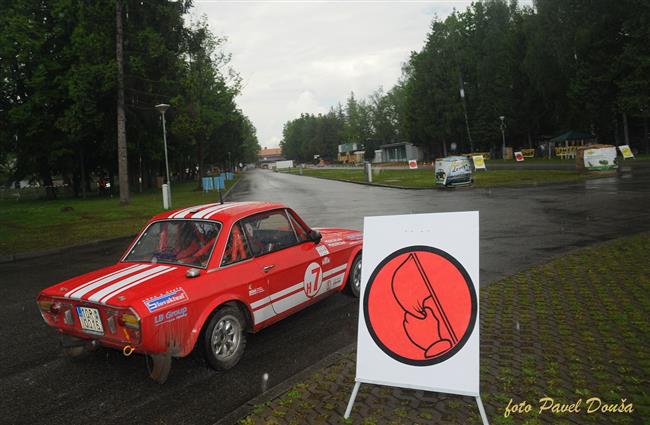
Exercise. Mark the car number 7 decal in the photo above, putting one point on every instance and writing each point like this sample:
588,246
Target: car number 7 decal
313,279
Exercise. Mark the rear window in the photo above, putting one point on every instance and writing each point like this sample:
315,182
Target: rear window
184,242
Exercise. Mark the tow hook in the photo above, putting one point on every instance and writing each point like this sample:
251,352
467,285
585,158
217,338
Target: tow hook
127,350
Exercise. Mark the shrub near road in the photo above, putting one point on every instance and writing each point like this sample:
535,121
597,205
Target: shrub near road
572,329
27,226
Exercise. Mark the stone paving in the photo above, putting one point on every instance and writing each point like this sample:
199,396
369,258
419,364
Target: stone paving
570,329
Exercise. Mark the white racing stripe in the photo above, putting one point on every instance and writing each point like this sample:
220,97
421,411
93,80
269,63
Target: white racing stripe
79,291
263,314
289,302
286,291
208,211
238,204
107,290
335,270
261,302
137,282
278,306
186,211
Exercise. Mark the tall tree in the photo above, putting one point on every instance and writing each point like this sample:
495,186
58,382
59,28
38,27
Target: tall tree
121,119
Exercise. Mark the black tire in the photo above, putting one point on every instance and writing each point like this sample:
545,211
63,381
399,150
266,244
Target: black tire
160,368
224,339
354,278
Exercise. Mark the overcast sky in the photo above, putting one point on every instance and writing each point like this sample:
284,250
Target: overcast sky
299,57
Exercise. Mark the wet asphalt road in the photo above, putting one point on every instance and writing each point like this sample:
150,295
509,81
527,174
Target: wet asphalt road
519,228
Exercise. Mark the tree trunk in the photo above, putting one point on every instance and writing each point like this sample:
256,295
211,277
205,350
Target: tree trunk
625,129
645,134
201,171
83,172
50,192
121,119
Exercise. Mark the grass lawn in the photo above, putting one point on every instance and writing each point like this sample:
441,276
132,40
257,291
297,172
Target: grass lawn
423,178
36,225
573,328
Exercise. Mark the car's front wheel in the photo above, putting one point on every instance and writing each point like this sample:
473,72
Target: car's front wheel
224,339
354,279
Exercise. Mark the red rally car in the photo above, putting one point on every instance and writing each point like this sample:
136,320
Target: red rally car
204,276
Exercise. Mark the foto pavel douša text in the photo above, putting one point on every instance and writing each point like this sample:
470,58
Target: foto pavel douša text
591,405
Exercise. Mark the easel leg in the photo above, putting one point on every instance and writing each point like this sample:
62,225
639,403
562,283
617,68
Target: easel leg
355,390
481,409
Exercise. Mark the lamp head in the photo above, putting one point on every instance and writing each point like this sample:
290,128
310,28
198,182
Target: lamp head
162,107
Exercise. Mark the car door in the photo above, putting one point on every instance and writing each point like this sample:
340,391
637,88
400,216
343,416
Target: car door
238,265
292,266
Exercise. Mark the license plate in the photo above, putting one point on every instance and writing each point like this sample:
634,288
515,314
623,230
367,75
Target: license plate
90,320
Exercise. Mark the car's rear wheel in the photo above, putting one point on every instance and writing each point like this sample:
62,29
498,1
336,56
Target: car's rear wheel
354,278
224,339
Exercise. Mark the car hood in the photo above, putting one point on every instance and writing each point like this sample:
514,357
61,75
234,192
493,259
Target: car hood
141,285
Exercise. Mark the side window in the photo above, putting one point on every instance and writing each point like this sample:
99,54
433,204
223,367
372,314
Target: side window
237,248
301,233
269,232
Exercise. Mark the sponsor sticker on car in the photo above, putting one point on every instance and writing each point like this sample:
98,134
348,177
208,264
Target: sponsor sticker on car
322,250
170,316
165,299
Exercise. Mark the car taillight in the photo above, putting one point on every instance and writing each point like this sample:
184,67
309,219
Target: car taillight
129,323
128,320
53,310
45,304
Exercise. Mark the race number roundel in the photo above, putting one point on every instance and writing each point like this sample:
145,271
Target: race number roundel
420,305
313,279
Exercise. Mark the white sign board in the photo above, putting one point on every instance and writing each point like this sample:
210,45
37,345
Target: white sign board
479,162
626,151
283,164
419,309
413,164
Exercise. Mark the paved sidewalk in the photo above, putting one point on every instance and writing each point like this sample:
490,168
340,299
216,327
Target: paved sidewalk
573,328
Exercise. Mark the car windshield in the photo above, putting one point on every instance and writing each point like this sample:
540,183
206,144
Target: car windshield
186,242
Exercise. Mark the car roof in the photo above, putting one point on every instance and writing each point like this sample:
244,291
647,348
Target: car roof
218,211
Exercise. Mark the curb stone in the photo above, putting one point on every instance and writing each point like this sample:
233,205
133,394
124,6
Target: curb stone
36,254
281,388
468,187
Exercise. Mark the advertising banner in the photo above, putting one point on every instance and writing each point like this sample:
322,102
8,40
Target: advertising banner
453,171
599,159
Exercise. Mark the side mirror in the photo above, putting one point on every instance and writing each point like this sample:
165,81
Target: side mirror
315,236
192,273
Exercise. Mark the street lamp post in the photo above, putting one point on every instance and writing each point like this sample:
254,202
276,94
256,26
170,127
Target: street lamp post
162,108
503,136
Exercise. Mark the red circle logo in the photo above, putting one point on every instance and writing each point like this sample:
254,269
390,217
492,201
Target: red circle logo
420,305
